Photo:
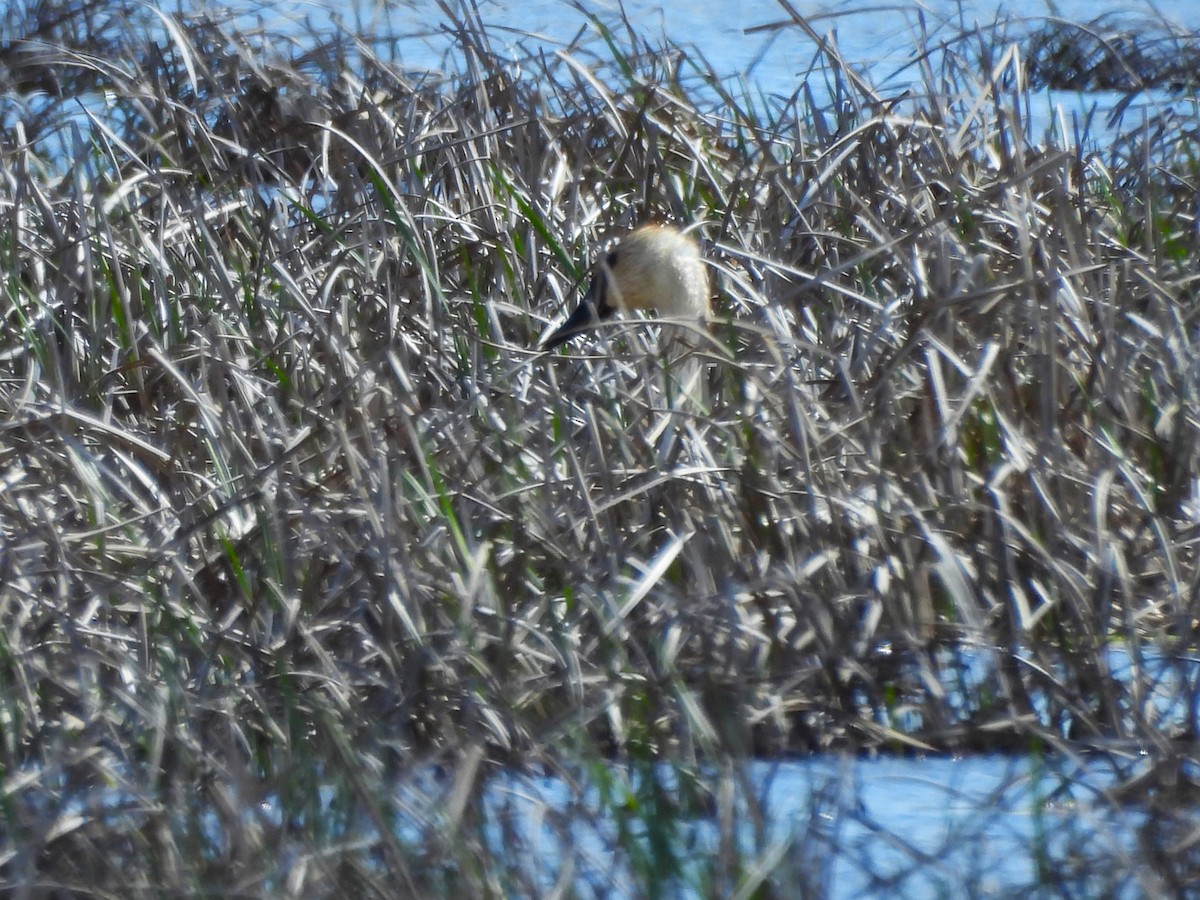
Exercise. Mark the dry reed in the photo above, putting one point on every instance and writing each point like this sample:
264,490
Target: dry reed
290,508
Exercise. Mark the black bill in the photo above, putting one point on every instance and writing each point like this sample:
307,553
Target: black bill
583,319
593,309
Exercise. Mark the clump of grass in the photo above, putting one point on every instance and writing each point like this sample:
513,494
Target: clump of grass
1109,54
291,508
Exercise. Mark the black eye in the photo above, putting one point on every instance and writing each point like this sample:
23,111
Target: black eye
611,259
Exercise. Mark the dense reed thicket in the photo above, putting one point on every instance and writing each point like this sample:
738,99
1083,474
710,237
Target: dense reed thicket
292,513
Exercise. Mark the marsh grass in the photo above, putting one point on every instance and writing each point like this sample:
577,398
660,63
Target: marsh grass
291,510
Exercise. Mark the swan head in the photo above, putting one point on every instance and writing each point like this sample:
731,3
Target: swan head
655,268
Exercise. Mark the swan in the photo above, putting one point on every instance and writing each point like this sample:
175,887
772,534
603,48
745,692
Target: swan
655,268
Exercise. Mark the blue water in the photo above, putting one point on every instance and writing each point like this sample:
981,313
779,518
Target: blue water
839,826
757,51
835,827
737,39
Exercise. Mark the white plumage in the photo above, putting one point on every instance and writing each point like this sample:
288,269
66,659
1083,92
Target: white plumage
654,268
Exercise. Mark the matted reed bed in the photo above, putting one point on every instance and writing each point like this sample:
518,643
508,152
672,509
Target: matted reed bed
292,512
